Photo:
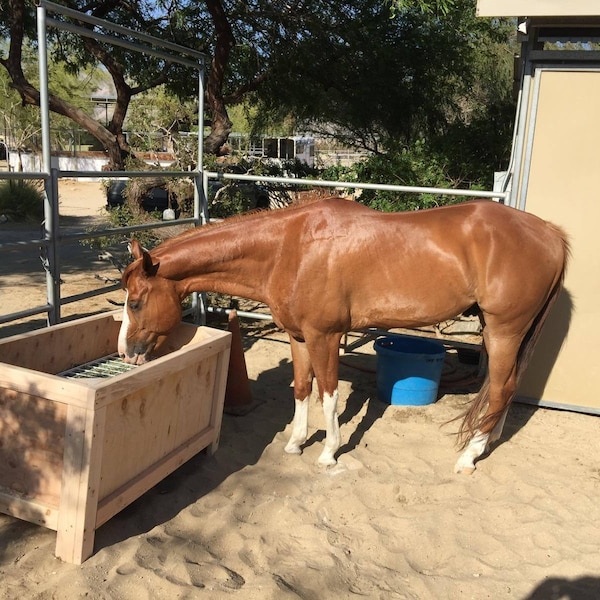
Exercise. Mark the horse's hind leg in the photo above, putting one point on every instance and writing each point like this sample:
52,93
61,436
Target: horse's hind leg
303,378
497,431
502,352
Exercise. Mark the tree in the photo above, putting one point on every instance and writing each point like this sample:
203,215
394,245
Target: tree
382,83
21,123
346,64
442,7
130,73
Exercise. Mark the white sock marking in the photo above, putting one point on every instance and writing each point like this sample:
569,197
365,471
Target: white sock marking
299,427
122,339
332,428
475,448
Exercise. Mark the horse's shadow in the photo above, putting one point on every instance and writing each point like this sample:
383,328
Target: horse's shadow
559,588
363,392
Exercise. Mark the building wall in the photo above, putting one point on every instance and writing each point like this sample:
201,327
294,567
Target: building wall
537,8
563,186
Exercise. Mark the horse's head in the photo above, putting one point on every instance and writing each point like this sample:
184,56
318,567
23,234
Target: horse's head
152,307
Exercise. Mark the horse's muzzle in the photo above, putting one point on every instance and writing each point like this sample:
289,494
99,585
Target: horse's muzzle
135,359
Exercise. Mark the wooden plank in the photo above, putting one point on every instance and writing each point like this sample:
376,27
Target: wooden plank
28,510
133,489
80,485
194,395
117,387
31,446
147,425
69,391
63,346
218,399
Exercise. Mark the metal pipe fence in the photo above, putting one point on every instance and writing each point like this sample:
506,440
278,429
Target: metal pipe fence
53,237
208,176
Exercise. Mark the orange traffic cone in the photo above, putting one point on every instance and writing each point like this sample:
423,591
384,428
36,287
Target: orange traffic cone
238,397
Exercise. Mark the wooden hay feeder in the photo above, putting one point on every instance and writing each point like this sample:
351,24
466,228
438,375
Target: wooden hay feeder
75,451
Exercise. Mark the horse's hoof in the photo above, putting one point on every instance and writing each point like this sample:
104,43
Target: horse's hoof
293,449
327,461
464,470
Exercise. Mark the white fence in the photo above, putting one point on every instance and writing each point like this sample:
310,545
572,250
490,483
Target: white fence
83,161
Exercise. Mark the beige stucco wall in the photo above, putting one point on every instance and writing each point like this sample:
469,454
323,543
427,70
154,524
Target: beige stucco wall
564,187
537,8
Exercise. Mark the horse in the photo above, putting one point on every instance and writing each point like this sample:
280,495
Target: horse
334,265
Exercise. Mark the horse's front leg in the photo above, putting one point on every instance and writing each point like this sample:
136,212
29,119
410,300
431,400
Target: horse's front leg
303,378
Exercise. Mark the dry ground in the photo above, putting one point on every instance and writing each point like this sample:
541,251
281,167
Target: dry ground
391,521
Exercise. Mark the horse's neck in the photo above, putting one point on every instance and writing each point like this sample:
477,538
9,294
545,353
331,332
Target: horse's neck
233,259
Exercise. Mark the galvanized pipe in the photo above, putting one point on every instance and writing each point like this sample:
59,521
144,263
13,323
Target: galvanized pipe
23,314
360,186
154,41
82,31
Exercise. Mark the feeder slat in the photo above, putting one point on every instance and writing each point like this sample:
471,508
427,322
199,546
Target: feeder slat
107,366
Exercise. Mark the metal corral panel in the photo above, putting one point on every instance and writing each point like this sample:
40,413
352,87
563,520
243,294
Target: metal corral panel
537,8
560,182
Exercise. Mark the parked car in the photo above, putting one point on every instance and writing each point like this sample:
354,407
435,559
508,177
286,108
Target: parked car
157,198
253,193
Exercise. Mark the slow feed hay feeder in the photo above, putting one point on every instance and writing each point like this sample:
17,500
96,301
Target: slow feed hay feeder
408,370
82,434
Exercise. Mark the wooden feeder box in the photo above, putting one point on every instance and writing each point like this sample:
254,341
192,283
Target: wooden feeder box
77,448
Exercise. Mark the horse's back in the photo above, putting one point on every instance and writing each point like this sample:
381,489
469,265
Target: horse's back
424,266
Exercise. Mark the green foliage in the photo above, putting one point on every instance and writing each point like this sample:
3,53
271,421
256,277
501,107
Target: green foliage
21,123
22,200
237,197
124,216
415,166
441,7
433,73
231,201
158,113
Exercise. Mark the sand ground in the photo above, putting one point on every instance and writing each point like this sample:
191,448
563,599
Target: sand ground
390,521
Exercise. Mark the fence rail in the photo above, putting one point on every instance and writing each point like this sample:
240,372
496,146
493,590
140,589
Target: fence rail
207,176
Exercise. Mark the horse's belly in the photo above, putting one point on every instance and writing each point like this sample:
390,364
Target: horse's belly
408,306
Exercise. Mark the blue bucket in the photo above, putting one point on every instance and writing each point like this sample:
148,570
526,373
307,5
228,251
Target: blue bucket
408,370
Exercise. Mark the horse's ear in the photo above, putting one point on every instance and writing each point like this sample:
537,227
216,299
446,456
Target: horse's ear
135,248
138,252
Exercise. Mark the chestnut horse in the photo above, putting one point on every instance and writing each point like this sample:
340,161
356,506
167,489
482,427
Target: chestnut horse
333,266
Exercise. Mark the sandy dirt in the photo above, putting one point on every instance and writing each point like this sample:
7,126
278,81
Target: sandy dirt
390,521
22,274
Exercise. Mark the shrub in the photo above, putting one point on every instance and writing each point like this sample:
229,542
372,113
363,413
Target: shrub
22,200
414,166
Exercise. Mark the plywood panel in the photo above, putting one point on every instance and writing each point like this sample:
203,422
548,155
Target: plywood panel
31,446
145,426
564,187
61,347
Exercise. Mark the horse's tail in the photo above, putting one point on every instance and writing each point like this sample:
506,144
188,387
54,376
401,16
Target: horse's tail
475,418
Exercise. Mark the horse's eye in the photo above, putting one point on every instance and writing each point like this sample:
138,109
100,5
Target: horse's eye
134,304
